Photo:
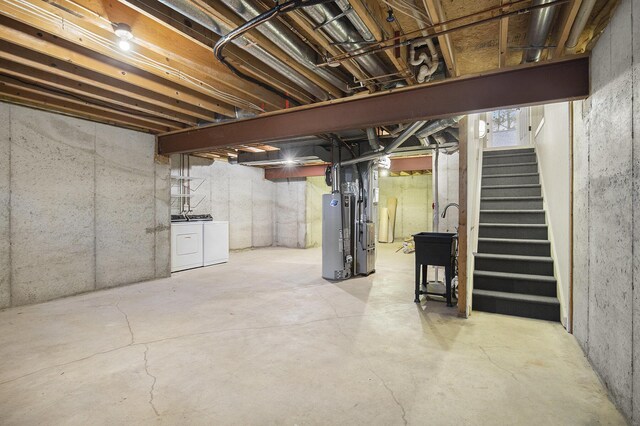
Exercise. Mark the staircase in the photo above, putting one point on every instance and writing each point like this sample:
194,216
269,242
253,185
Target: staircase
513,267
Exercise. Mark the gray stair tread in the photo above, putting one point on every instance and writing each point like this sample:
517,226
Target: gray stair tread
515,225
508,165
525,198
513,211
514,276
512,240
520,149
514,175
514,257
548,300
510,154
524,185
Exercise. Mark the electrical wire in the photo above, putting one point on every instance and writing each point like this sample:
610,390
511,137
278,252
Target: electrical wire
382,46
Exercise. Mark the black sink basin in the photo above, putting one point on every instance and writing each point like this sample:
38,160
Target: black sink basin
435,248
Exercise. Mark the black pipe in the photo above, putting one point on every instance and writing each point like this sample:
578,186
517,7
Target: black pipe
279,9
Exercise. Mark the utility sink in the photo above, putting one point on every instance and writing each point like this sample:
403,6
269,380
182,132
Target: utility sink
435,249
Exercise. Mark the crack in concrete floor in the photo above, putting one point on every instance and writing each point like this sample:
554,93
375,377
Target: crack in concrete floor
390,344
153,383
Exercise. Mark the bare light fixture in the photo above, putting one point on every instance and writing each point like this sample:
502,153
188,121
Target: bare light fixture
123,31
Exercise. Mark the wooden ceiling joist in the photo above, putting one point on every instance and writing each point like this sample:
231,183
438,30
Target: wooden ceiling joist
25,95
307,29
206,39
364,11
567,18
503,40
64,52
221,13
434,9
71,85
45,68
218,82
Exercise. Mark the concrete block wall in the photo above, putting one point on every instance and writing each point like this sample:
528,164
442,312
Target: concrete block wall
235,193
415,197
607,211
69,189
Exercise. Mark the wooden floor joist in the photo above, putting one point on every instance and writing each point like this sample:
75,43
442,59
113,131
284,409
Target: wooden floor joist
64,52
216,82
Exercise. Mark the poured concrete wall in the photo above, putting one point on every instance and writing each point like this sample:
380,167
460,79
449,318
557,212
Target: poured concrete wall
5,202
79,207
231,192
553,143
290,213
607,211
415,198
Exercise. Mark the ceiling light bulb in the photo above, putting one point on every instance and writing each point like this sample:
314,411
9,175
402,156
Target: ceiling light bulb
334,64
124,45
124,31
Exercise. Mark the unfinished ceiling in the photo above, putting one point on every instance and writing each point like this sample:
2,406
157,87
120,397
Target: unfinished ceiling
67,56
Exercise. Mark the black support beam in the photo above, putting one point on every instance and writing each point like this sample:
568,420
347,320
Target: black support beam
525,85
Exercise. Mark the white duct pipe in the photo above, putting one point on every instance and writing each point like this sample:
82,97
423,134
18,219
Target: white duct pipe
374,142
581,21
409,131
428,70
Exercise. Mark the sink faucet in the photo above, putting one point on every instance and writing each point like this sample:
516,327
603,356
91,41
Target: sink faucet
444,213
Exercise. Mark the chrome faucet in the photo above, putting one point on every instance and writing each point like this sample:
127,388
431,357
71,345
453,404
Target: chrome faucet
444,213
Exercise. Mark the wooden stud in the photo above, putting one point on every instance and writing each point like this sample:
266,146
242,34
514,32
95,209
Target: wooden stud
503,41
463,278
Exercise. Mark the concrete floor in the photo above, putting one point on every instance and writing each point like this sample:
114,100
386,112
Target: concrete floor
264,340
